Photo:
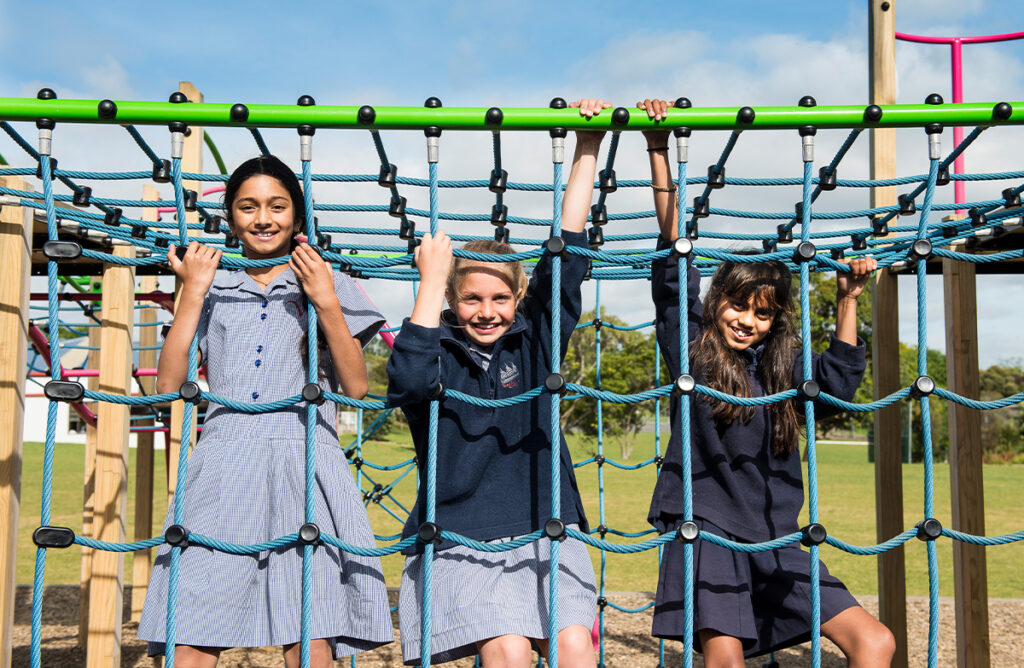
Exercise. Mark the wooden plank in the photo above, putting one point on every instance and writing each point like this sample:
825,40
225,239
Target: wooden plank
967,494
88,490
191,161
16,260
106,593
892,586
142,561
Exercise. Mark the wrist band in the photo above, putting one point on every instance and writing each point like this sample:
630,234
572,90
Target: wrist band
656,149
663,189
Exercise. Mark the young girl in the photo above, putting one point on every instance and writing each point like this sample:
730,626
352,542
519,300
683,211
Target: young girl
245,482
494,464
746,467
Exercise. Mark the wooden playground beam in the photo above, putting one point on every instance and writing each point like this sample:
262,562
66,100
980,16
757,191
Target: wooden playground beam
88,490
15,258
967,490
106,589
885,355
142,561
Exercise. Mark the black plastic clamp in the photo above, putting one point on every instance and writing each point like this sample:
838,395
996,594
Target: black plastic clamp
554,383
879,226
922,386
499,214
396,208
687,532
598,214
190,392
942,177
501,234
607,182
1011,198
82,196
53,169
176,536
429,533
162,172
309,534
804,252
212,224
53,537
928,529
595,237
978,218
388,175
701,207
921,249
64,390
555,245
62,250
554,529
784,234
113,217
827,178
858,242
684,384
682,247
138,231
499,181
907,205
716,177
809,389
312,393
230,240
812,534
407,230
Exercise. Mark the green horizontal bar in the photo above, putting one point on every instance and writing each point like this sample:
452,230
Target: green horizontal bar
514,118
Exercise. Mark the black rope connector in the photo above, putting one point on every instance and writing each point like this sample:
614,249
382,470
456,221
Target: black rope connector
176,536
113,217
437,393
138,231
230,240
180,251
306,101
106,109
557,103
499,215
599,460
879,226
82,196
607,182
933,129
809,389
323,242
53,537
602,530
388,175
306,130
64,390
659,460
177,97
928,529
701,207
53,169
978,218
555,245
858,242
428,533
872,113
907,205
396,208
358,462
1002,111
687,532
602,601
499,181
934,98
807,130
813,534
554,383
922,386
684,384
312,393
494,116
716,177
554,529
191,198
682,103
190,392
366,114
309,534
595,237
784,234
921,249
212,224
62,250
827,178
432,130
45,123
1011,198
807,101
162,172
407,232
804,252
745,115
598,214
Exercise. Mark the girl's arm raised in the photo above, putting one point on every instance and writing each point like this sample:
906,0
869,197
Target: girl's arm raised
196,270
433,262
316,277
849,287
579,190
665,206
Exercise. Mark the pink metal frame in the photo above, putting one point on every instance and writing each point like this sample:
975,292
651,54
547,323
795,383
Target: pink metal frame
955,44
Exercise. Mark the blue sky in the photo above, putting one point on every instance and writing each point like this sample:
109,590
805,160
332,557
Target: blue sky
521,54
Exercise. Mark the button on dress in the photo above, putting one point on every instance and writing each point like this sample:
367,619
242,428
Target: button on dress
245,484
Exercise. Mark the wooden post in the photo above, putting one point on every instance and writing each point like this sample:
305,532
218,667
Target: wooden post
142,563
191,161
88,490
885,352
16,260
106,593
967,494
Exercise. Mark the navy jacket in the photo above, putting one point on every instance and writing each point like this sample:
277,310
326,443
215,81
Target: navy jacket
737,483
493,464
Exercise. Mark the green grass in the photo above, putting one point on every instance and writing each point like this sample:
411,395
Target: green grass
846,508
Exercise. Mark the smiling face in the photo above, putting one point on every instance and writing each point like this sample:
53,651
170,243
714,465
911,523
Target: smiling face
263,217
743,325
484,304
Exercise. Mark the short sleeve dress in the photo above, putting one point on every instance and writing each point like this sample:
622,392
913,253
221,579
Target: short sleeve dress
245,484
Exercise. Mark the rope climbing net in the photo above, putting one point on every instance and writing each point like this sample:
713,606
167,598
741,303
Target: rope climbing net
72,233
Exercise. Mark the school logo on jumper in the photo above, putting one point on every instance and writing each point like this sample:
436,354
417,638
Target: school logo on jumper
509,376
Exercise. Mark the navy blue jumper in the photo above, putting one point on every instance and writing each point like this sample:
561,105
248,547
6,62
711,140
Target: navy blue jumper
738,484
493,464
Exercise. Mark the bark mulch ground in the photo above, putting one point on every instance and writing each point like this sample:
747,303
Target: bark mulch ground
628,639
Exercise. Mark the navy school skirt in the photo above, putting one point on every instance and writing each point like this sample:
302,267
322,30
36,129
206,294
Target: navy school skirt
762,598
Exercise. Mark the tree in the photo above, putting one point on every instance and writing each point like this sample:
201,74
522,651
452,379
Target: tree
627,367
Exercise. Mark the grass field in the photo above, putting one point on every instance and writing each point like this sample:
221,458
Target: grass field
846,502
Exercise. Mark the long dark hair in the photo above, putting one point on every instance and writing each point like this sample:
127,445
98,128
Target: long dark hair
272,166
724,369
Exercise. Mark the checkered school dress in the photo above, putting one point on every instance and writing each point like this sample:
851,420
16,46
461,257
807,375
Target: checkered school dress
245,484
